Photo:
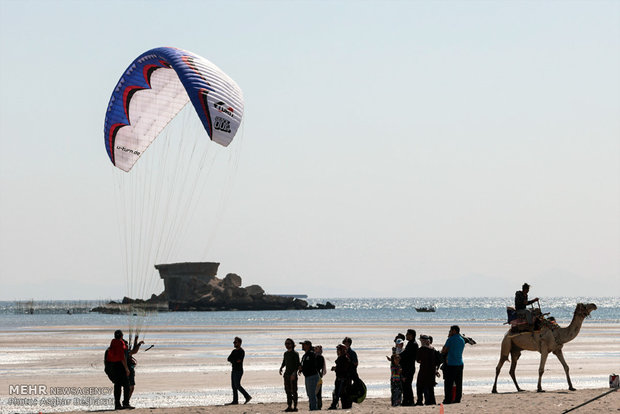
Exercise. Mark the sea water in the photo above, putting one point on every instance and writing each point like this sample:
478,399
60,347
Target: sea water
480,310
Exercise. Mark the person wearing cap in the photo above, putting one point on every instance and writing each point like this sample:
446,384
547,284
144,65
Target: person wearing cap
342,384
407,361
453,368
291,364
117,359
429,359
236,359
398,347
521,303
311,373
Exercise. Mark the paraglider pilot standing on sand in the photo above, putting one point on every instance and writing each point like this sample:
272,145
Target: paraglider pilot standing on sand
118,370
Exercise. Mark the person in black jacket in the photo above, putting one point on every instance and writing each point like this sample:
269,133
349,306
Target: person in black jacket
290,364
343,370
320,366
352,357
311,373
429,359
236,359
407,361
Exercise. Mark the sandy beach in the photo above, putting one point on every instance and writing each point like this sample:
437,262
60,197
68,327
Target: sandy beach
505,403
187,372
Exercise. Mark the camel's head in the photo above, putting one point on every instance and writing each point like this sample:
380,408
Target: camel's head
584,309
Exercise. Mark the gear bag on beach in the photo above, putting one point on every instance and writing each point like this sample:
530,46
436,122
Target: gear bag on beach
357,393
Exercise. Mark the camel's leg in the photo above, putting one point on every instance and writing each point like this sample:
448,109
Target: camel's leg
502,359
560,356
541,369
513,367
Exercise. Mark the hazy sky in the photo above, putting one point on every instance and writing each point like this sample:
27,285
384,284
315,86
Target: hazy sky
389,148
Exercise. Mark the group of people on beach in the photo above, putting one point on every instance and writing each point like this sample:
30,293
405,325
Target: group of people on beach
313,367
431,361
403,367
348,387
347,384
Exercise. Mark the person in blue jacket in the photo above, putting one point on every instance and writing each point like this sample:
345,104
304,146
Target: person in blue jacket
453,367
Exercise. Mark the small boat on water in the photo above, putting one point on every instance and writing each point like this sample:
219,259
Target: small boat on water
426,309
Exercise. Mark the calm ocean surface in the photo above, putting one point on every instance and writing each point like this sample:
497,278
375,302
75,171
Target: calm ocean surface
385,311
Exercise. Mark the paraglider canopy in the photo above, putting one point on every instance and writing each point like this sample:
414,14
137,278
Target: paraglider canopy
152,91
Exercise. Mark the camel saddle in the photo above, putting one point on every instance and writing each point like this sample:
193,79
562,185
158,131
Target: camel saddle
519,324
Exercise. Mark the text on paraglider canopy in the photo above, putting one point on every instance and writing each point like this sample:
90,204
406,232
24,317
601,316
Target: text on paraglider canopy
128,150
222,124
225,109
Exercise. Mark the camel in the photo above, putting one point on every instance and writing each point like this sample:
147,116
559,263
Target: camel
543,341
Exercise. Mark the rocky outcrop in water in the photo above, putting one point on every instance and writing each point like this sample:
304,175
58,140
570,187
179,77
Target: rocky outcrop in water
195,287
228,294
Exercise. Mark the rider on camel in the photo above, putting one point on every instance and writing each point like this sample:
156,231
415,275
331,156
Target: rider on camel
521,303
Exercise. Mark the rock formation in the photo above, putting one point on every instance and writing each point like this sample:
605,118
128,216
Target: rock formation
195,287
